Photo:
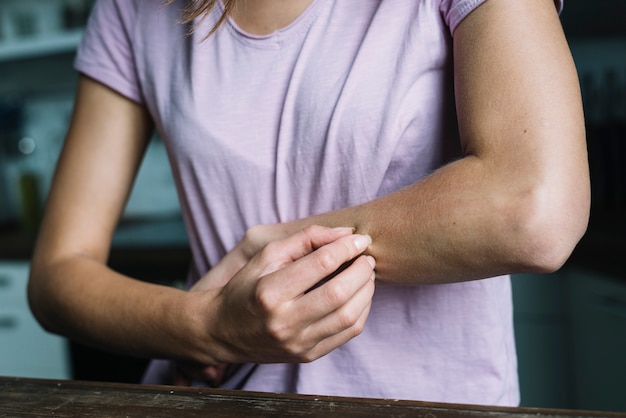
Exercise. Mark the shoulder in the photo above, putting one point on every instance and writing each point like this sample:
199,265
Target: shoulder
113,41
454,11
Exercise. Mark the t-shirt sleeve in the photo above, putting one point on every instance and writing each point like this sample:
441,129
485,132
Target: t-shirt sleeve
106,52
454,11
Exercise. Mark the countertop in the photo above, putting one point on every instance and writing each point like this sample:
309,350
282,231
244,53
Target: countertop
20,397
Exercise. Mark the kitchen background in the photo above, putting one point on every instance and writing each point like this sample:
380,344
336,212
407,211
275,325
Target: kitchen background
570,325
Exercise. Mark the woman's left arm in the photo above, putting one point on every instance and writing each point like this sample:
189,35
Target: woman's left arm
518,200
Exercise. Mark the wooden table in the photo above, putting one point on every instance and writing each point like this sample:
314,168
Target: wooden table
21,397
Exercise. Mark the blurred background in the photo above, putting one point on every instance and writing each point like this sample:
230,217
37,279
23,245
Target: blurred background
570,325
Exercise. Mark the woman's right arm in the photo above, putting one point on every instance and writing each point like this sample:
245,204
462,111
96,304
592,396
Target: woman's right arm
73,292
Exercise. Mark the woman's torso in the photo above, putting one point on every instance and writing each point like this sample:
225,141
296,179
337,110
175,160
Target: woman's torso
349,102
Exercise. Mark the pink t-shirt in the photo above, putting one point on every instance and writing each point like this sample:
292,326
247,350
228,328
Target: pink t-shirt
351,101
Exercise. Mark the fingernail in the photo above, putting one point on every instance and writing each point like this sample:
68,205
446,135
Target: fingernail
371,260
361,242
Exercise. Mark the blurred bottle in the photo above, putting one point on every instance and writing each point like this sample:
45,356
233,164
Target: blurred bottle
10,125
20,198
29,186
6,212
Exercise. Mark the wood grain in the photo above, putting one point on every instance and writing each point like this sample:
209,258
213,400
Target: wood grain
21,397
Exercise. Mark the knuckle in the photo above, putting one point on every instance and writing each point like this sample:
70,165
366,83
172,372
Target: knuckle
349,246
253,240
269,251
265,299
254,233
355,332
278,332
325,261
249,234
347,319
270,259
293,345
311,230
358,328
295,350
336,293
308,357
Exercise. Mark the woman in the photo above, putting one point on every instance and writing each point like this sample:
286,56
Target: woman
304,134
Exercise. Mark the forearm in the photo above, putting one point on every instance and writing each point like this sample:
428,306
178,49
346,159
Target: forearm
81,298
468,221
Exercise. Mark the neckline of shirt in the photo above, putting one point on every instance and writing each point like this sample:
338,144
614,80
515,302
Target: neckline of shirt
280,37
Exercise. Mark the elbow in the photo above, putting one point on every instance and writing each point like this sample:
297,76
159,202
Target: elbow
546,254
547,226
36,300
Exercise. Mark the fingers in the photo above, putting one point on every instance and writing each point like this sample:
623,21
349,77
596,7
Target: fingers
280,253
336,340
339,307
317,254
328,316
272,310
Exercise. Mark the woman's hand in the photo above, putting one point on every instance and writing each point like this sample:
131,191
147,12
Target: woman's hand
272,311
255,239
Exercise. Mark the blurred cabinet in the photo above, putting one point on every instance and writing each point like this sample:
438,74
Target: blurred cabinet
38,42
541,338
570,329
26,350
597,38
596,282
598,340
32,32
61,42
38,66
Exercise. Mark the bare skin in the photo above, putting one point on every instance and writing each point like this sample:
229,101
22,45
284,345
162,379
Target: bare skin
262,17
518,201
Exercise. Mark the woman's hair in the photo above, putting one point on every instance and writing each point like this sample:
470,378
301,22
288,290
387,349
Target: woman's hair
200,9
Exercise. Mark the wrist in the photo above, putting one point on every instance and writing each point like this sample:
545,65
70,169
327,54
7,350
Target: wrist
199,313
